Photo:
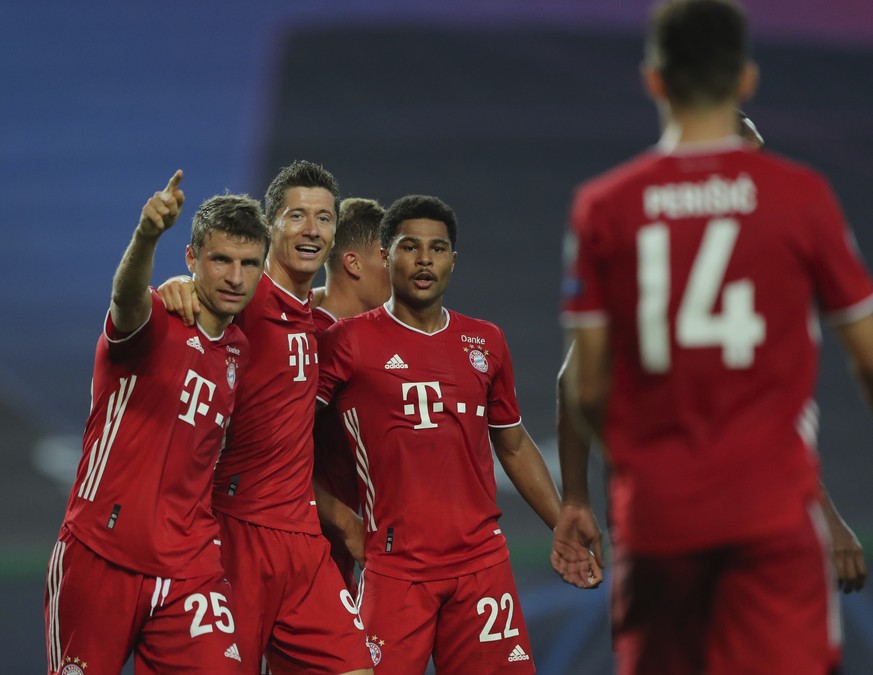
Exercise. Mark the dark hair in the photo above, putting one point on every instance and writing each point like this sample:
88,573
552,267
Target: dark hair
299,173
699,47
411,207
356,227
238,216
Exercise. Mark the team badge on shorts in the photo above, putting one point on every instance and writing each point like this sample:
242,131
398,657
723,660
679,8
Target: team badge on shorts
73,666
478,360
374,644
231,371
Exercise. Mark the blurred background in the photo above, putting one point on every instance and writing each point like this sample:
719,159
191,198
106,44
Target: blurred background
497,106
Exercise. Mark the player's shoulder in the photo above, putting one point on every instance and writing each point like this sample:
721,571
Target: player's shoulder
777,166
471,327
369,320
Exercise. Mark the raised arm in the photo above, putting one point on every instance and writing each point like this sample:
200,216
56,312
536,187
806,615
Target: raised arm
131,304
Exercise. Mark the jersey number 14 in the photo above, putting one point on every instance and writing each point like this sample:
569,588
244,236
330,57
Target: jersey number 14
737,329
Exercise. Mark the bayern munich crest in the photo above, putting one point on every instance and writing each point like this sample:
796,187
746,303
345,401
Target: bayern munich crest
478,360
374,645
73,667
231,372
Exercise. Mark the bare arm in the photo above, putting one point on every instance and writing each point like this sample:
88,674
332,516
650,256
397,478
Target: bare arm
523,463
131,303
857,338
846,549
582,390
335,514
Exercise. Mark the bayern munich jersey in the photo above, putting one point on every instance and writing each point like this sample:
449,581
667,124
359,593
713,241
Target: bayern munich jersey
334,462
264,475
416,408
709,265
161,399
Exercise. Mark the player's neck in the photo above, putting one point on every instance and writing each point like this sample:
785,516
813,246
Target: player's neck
427,319
342,305
341,301
212,324
684,125
297,285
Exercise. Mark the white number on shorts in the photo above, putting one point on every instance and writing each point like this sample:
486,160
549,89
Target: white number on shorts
737,329
491,604
349,603
219,611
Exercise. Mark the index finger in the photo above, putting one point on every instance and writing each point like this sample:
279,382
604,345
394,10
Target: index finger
173,184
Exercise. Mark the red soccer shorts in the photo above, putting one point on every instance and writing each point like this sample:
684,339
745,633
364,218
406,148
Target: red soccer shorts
761,607
470,624
291,602
97,613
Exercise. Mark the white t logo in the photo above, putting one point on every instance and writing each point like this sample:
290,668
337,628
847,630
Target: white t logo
195,407
297,344
420,397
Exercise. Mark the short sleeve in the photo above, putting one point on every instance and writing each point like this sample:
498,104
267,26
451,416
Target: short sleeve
582,297
502,399
335,361
843,286
121,345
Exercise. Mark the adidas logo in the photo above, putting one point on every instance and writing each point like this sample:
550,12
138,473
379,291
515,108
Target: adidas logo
195,342
395,362
233,653
518,655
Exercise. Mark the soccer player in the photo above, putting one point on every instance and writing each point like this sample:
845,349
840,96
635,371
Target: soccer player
356,281
137,566
423,392
699,270
847,552
292,605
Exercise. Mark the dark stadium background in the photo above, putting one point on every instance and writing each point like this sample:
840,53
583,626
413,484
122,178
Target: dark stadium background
497,107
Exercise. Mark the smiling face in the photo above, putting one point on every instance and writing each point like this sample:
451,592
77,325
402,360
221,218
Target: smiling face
303,234
420,263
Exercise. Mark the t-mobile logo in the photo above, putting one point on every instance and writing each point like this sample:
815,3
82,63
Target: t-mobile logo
298,343
192,397
419,398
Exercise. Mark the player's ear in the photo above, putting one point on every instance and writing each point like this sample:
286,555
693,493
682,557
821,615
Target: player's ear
384,253
190,258
653,82
454,259
352,264
748,82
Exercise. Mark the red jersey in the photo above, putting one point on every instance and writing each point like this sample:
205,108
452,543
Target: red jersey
264,475
161,399
708,265
416,408
334,460
335,466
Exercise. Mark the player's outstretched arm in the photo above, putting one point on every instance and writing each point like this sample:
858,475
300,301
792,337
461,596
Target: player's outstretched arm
131,304
179,296
847,551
